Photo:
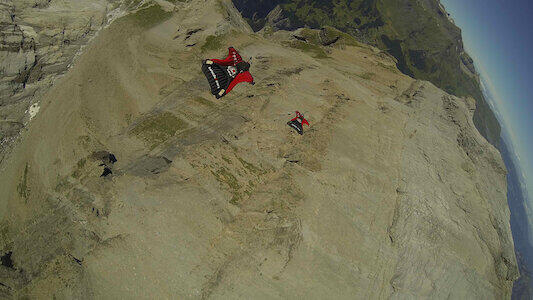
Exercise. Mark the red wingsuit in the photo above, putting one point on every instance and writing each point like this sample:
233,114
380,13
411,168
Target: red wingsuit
297,123
301,118
232,60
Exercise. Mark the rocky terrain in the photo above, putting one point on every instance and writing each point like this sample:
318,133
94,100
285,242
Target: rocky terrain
38,41
419,34
391,192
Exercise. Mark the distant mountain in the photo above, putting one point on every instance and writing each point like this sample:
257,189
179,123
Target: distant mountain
419,34
517,199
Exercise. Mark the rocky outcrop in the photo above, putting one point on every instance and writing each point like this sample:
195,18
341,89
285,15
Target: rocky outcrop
38,41
390,193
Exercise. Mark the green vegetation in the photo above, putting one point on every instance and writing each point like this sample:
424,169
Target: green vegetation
384,66
312,49
4,233
251,168
157,129
268,30
79,166
81,163
212,42
84,141
311,36
149,16
204,102
22,187
344,39
62,184
467,167
227,160
224,176
367,75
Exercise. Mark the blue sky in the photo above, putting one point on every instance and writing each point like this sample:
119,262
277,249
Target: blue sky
499,36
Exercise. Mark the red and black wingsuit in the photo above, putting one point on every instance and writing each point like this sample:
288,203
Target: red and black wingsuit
297,122
224,74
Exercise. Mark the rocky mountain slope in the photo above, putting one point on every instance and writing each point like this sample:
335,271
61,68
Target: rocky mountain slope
419,34
390,193
38,41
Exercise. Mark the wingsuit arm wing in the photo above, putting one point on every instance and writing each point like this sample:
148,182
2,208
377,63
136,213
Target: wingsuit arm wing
241,77
231,60
300,116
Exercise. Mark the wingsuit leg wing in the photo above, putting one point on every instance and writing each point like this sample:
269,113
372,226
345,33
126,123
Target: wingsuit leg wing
241,77
217,77
296,126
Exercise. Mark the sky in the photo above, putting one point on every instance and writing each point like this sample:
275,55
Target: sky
499,36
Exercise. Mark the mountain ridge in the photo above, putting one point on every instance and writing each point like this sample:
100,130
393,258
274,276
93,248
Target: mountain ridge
419,34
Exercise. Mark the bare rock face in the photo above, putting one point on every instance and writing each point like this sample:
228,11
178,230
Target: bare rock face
390,193
38,41
277,19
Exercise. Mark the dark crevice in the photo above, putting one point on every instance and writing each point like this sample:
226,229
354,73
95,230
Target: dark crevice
7,261
78,261
191,32
332,41
6,286
300,38
107,171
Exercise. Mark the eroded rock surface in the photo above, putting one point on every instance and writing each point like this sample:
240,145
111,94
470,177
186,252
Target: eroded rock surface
39,39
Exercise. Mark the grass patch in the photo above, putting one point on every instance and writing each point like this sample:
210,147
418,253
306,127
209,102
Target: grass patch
224,176
22,187
150,16
268,31
384,66
348,40
212,42
84,141
314,50
80,164
227,160
157,129
204,102
4,233
310,35
467,167
367,75
250,167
